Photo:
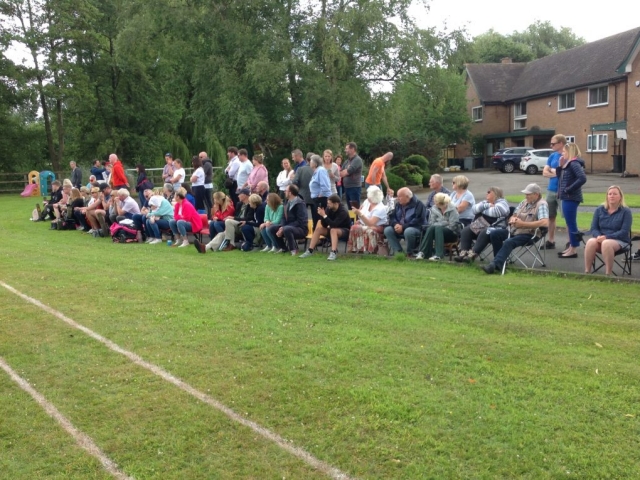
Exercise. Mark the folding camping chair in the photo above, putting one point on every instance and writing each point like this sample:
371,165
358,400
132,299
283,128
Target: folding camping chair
532,253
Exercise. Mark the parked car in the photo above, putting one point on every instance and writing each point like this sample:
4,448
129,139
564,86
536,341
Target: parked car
535,160
507,159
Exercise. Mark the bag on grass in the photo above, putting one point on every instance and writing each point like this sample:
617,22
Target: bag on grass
124,234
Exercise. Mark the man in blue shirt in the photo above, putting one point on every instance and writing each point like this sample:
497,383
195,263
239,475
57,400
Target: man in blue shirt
557,144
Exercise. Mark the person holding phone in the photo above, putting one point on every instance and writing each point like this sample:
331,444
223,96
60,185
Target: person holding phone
319,188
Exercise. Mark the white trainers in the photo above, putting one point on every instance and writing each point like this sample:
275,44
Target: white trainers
266,249
306,254
155,241
435,258
149,240
332,256
294,253
185,243
420,256
280,250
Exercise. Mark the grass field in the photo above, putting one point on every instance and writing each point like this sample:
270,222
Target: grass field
380,368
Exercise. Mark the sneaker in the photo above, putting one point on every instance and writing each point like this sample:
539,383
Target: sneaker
306,254
96,233
273,250
266,249
489,268
471,257
550,245
636,256
200,247
435,258
223,245
294,253
332,256
280,250
420,256
185,243
155,241
149,239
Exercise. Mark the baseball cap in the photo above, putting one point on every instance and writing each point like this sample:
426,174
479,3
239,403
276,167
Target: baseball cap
532,188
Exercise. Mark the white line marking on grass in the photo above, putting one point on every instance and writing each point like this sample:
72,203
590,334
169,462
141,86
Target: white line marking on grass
303,455
82,439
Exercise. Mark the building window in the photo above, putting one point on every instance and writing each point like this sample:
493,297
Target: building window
476,113
520,116
570,138
598,142
567,101
598,96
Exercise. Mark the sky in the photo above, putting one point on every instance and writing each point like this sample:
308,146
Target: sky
589,20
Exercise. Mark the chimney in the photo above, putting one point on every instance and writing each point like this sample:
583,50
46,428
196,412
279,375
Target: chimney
505,60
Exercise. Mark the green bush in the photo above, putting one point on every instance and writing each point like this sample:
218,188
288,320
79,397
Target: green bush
419,161
411,174
395,182
416,178
434,164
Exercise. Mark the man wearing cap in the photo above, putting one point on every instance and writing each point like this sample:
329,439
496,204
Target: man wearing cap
532,213
232,225
118,178
167,171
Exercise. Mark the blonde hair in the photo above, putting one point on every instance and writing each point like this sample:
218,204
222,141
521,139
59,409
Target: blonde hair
67,183
497,191
75,194
560,138
221,199
255,200
606,198
259,158
573,150
441,198
461,181
329,152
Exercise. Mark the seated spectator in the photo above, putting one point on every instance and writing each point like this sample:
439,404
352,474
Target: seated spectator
406,221
368,231
272,216
294,222
251,226
435,184
126,206
56,196
487,213
76,202
444,226
532,213
222,209
59,209
232,226
86,194
168,192
140,219
92,180
334,223
185,219
463,199
88,212
157,218
610,230
263,190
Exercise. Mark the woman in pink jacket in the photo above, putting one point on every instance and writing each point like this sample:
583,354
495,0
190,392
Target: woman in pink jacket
258,174
185,219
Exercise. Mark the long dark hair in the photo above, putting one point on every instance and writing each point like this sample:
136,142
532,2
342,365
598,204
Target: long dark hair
196,162
140,168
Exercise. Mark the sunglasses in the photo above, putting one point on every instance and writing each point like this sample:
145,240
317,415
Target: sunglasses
554,143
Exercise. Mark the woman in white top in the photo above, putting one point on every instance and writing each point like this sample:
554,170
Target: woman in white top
283,179
463,199
178,175
332,169
368,231
197,182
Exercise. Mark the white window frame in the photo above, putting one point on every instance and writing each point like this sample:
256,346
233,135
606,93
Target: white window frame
598,87
565,94
601,142
475,116
519,118
570,138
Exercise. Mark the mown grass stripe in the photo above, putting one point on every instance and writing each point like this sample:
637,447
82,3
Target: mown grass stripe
305,456
82,439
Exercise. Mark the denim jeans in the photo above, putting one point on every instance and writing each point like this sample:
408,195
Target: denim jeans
269,239
503,246
215,227
154,229
180,226
411,236
352,194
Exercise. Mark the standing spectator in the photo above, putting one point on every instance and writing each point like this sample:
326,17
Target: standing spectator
272,216
167,171
319,188
258,174
377,174
302,177
298,159
339,188
283,179
118,178
557,144
352,175
76,175
571,176
406,222
244,169
142,184
232,173
294,223
185,219
98,170
207,167
332,169
197,182
178,175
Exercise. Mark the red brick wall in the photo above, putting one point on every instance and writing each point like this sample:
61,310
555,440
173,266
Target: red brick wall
633,119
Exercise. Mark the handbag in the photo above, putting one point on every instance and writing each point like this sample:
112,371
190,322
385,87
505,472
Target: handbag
479,224
228,183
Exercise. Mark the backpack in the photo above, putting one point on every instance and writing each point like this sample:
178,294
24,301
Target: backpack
124,234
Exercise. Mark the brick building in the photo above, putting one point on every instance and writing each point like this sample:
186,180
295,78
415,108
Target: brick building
590,93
